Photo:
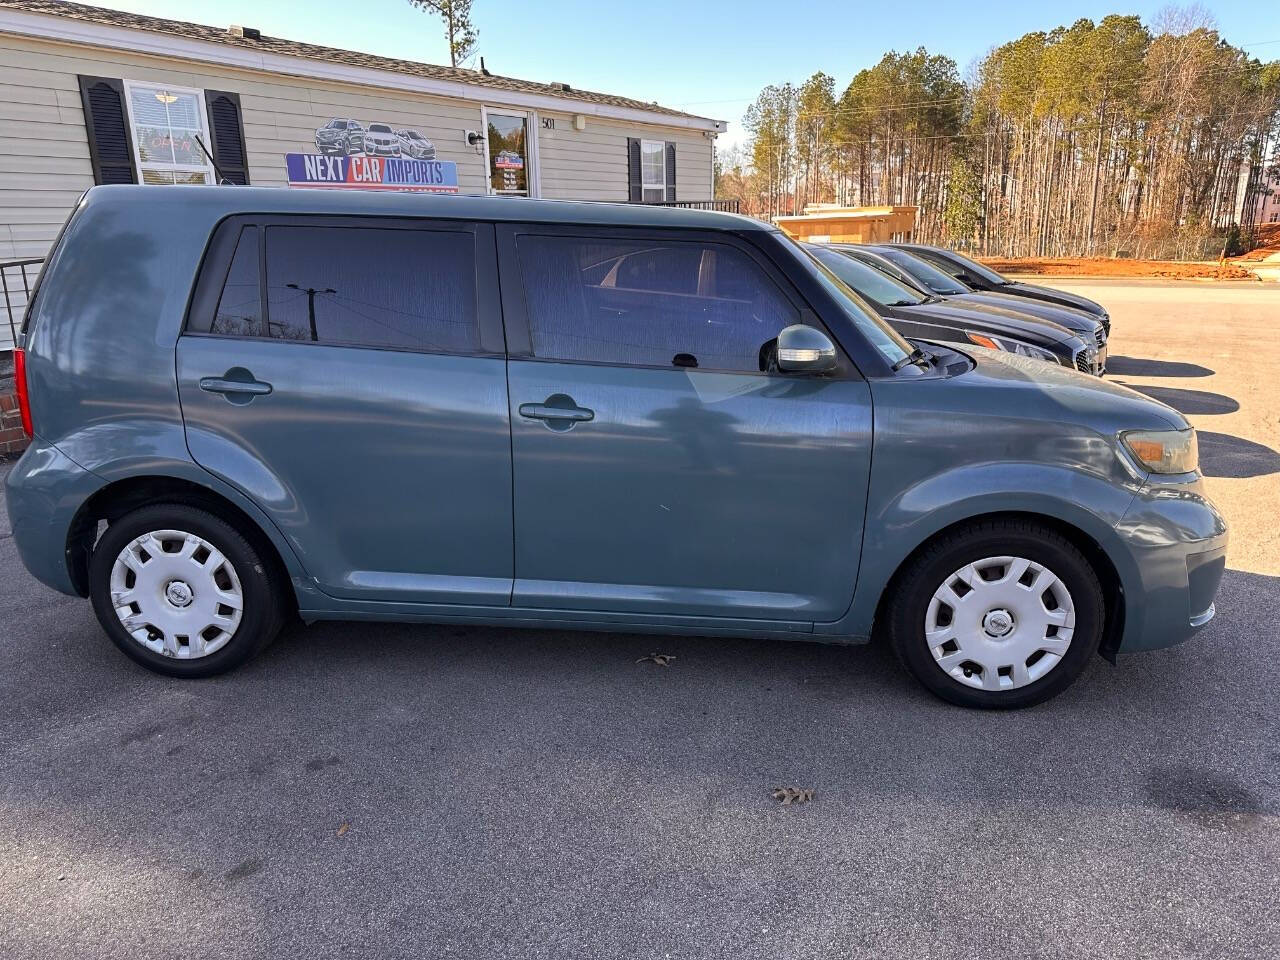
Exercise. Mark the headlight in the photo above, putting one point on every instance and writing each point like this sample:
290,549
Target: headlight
1164,451
1010,346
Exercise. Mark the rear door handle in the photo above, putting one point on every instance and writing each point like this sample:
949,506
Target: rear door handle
219,385
540,411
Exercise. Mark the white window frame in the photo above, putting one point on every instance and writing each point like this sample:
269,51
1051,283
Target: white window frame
532,171
206,167
644,184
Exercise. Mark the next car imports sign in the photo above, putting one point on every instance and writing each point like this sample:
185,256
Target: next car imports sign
371,173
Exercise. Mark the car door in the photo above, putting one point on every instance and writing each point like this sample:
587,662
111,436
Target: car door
350,377
657,468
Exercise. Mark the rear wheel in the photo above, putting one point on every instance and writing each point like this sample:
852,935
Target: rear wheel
1001,614
180,591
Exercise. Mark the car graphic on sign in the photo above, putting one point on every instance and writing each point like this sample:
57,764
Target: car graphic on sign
413,144
381,139
341,136
508,160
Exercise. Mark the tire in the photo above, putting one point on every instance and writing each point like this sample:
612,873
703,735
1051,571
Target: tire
182,596
1000,644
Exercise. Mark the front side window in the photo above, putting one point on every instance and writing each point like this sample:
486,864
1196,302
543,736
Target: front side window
395,288
867,281
934,280
653,170
649,303
168,124
955,264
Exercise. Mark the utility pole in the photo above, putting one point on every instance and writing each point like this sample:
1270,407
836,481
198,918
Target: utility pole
311,305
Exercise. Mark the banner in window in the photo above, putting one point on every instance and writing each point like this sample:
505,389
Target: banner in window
371,173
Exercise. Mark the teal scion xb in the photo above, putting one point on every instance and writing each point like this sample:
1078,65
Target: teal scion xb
251,404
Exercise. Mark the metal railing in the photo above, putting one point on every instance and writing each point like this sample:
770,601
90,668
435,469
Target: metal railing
724,206
16,279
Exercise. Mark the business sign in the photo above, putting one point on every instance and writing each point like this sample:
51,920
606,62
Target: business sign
507,160
361,172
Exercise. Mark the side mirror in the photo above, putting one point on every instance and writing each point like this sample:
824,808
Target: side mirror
804,349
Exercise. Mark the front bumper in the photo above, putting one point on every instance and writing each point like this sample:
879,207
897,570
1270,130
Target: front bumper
1177,548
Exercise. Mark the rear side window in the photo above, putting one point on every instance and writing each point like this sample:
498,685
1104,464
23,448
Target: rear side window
239,311
645,302
405,289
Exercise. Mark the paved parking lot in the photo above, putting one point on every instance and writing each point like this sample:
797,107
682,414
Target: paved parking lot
413,791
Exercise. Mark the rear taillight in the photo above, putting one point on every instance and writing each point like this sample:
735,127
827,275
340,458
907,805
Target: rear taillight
20,379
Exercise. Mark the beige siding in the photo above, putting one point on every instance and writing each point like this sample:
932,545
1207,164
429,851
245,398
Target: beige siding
44,151
592,164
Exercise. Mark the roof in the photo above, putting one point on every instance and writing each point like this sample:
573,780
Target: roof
330,55
223,201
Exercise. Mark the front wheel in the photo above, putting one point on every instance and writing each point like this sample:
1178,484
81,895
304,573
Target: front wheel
1000,614
182,592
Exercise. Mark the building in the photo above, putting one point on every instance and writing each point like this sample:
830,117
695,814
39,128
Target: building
832,223
89,95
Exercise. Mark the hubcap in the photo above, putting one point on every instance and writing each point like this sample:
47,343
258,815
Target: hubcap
176,594
1000,623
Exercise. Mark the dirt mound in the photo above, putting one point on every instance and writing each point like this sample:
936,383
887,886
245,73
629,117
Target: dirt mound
1268,244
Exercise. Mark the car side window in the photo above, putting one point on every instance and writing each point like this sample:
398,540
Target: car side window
239,312
405,289
649,302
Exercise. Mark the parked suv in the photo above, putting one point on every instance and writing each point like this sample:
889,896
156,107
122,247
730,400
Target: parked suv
340,136
249,402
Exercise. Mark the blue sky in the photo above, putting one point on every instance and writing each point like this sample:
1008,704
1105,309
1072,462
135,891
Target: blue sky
708,57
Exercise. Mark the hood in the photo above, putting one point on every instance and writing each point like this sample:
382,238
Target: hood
1059,313
1063,394
1091,307
986,319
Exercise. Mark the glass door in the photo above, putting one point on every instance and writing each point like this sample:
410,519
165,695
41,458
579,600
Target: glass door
507,149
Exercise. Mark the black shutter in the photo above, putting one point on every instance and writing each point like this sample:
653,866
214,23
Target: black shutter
110,148
226,129
635,184
671,172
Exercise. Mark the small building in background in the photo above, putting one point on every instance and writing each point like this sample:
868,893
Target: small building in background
831,223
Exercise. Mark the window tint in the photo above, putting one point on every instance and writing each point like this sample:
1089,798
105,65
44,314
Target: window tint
643,303
240,306
410,289
865,280
933,279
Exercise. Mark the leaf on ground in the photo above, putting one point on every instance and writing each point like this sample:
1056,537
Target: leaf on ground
790,795
343,829
661,659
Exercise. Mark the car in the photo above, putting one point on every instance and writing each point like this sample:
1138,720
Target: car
904,264
381,140
980,277
413,144
250,406
340,136
918,316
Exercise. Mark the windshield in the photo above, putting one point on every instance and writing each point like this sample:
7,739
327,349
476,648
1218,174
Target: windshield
379,128
977,269
933,279
860,313
867,281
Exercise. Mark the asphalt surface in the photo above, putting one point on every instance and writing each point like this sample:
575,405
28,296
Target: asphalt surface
413,791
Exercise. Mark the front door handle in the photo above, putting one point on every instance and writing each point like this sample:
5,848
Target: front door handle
558,411
238,385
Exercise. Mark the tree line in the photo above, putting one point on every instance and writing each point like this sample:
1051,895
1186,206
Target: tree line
1094,139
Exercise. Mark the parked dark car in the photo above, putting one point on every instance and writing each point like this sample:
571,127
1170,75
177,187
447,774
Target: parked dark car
979,277
250,404
906,265
340,136
920,316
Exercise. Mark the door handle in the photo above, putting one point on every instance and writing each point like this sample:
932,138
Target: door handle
559,411
238,385
218,385
541,411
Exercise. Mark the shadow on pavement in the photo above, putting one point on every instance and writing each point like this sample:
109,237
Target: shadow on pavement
1226,455
1190,402
1141,367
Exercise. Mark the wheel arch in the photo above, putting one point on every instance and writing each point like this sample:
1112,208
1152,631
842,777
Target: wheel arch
119,497
1094,553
